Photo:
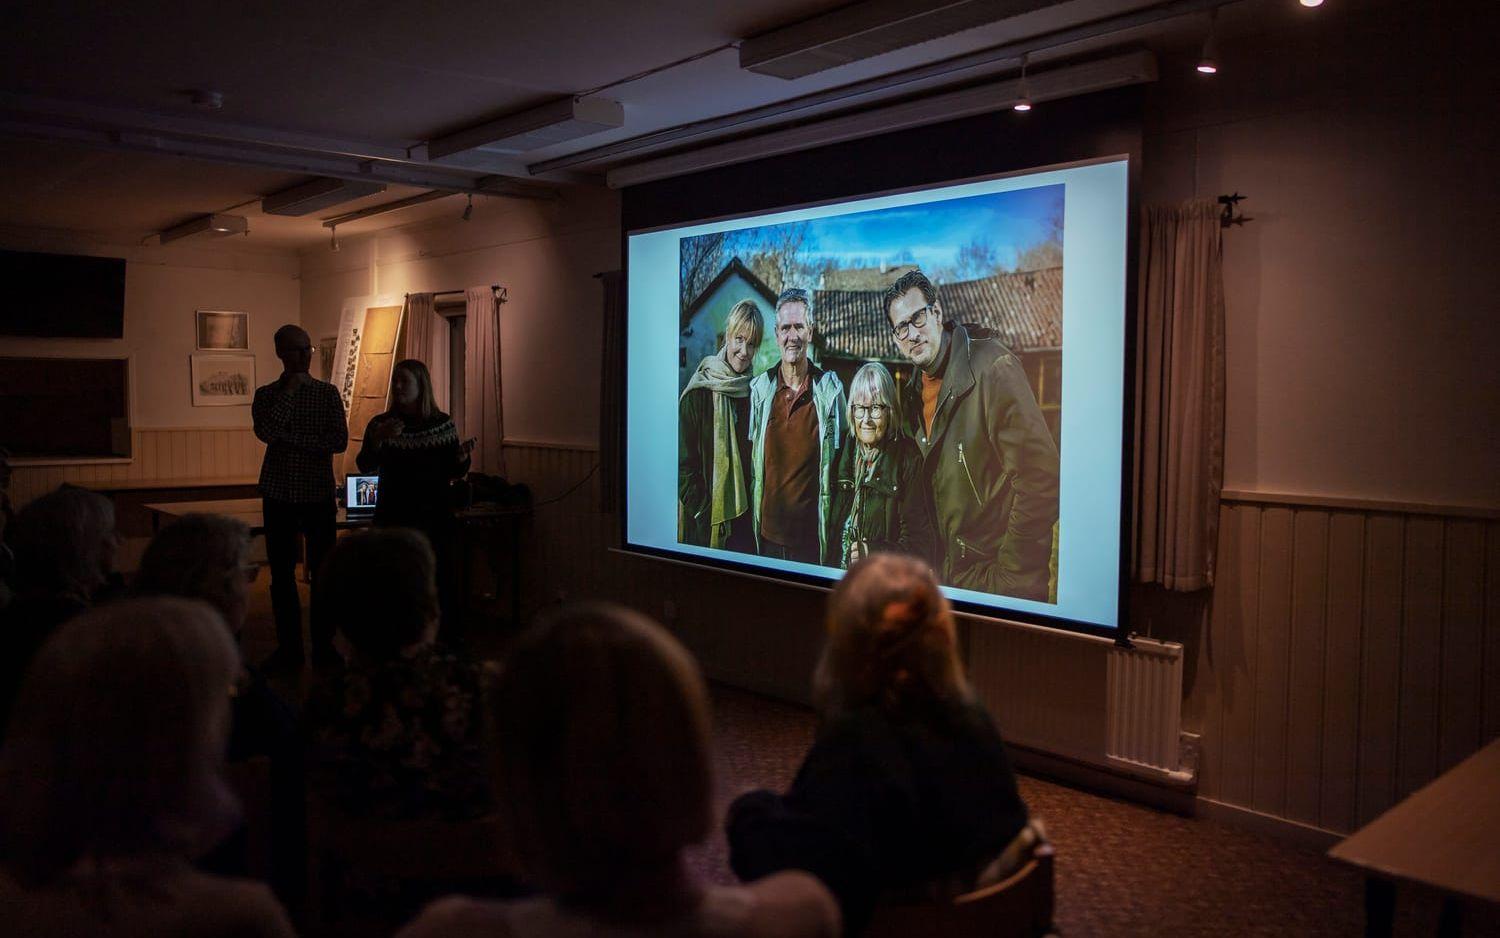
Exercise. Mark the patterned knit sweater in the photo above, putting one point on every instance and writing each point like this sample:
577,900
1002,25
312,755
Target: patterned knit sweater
415,467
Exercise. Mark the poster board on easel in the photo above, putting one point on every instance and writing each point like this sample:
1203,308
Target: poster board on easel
365,352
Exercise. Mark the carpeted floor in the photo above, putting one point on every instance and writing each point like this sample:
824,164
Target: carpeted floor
1122,869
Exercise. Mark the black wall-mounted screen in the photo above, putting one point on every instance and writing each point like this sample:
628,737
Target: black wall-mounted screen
65,407
64,296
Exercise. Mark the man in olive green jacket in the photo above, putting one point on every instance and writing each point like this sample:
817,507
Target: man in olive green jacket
988,457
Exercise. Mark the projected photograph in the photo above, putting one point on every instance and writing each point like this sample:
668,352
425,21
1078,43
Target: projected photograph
884,380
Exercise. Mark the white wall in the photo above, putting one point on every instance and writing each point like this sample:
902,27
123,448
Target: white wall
1361,330
163,288
544,253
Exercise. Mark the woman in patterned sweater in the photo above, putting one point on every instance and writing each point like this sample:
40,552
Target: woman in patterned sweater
415,449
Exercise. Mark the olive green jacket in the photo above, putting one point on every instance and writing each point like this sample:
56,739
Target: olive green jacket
992,467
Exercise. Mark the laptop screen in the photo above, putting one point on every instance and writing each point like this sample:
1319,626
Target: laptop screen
360,492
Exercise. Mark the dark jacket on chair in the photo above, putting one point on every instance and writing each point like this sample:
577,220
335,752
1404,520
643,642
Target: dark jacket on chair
885,802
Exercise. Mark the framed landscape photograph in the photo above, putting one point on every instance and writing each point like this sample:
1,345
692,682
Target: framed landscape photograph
223,330
223,380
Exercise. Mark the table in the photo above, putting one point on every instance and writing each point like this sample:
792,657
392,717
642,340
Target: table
1444,836
248,510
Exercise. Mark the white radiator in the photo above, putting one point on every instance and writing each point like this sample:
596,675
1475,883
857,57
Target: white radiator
1084,698
1144,697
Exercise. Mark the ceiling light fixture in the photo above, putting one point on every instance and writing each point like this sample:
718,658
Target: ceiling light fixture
317,194
560,121
216,226
1023,103
469,208
1312,3
1208,60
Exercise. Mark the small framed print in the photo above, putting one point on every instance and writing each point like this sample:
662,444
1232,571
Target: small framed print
223,330
223,380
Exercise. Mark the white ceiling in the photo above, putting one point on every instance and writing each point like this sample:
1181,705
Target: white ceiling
379,76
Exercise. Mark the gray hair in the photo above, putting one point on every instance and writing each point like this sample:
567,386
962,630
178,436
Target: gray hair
199,557
132,765
60,541
874,378
798,295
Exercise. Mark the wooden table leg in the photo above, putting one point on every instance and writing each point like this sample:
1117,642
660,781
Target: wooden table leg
1380,907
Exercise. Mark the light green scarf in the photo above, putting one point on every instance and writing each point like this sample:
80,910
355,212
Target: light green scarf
728,498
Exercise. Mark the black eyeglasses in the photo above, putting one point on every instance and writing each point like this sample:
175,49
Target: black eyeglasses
902,330
862,411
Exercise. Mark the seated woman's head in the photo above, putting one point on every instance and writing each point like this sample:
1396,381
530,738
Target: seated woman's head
891,640
65,543
379,588
874,412
116,745
601,725
200,557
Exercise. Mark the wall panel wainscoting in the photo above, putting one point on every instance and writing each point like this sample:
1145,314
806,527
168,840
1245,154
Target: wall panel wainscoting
166,457
1351,654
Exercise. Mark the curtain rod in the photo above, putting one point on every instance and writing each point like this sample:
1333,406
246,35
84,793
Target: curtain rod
493,286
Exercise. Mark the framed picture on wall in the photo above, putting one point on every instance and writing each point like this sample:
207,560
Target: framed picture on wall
223,330
223,380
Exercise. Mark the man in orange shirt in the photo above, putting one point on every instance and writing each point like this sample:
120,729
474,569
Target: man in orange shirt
987,455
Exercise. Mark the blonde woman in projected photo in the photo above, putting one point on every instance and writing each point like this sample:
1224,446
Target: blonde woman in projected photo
713,439
877,505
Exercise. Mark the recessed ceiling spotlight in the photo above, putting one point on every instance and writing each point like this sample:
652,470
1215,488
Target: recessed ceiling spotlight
1023,103
1312,3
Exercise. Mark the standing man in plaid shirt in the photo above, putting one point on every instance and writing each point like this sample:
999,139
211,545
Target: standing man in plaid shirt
301,421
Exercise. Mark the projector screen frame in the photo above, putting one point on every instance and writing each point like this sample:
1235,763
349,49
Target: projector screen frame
1097,145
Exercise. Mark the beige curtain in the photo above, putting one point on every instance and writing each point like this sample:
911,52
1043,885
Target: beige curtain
484,413
1179,442
427,342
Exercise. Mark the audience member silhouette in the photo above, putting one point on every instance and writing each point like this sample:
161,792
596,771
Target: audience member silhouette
104,801
207,557
907,790
399,733
65,546
603,770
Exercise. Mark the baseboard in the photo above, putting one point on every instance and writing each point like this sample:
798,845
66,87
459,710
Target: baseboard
1165,794
1281,828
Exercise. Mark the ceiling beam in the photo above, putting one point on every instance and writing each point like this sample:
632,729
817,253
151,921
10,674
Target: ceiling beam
41,112
862,92
340,167
1114,72
864,30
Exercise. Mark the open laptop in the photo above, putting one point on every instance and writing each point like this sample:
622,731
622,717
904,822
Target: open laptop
360,493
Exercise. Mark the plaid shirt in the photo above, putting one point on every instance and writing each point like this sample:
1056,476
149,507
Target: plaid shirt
302,430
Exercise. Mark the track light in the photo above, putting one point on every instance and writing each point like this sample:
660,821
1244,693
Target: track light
1208,59
469,209
333,238
1023,103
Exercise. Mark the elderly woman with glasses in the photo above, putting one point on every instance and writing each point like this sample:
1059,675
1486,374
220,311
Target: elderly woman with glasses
877,505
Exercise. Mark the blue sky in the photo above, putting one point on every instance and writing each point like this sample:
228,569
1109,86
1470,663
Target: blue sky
1010,221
